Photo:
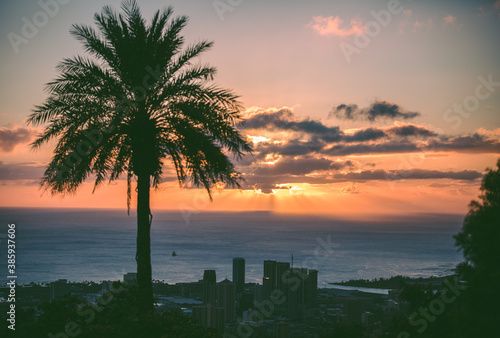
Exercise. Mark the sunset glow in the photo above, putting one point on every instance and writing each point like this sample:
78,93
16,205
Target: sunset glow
349,112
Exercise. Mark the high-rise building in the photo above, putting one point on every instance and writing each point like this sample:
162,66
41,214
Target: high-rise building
312,289
267,288
226,298
239,274
209,282
281,330
281,269
200,313
130,278
209,316
269,279
270,271
59,288
302,293
217,318
295,293
246,301
259,293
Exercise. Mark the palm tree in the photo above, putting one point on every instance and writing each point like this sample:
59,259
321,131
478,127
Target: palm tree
137,103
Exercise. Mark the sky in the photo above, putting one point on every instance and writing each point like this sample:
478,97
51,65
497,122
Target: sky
354,109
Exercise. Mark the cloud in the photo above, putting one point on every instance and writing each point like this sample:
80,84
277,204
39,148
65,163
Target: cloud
411,130
352,189
369,134
449,20
304,137
293,147
325,26
422,25
485,12
268,183
284,119
475,143
489,133
293,166
291,150
415,174
496,7
393,147
376,111
472,144
482,12
12,137
21,171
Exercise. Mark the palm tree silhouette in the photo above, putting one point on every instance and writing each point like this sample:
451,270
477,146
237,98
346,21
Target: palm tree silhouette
137,103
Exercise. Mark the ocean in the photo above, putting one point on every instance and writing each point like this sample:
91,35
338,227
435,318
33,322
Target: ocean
96,245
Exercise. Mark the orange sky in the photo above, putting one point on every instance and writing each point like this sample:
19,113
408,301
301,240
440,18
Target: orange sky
406,124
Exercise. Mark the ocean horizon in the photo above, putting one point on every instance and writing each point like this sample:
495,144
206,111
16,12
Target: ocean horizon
99,244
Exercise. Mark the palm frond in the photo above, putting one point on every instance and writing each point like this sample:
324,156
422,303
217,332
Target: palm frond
138,100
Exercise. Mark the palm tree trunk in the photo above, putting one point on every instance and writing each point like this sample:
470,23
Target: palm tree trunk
143,256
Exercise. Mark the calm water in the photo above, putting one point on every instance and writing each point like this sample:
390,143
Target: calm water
100,245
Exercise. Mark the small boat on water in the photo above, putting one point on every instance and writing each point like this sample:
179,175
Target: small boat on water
174,254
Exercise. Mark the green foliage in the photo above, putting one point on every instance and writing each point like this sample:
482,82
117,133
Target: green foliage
480,234
476,312
342,330
115,315
479,240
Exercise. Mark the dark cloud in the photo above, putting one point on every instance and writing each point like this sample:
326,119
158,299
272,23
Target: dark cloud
284,119
364,135
378,110
411,130
310,146
267,183
464,144
300,166
291,166
10,138
374,134
422,174
415,174
294,147
392,147
474,143
20,171
268,119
